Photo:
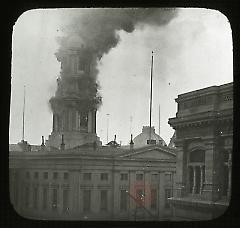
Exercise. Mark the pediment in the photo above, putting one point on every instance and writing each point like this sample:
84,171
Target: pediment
153,153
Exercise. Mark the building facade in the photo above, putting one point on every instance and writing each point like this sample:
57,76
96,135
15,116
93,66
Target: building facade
204,133
84,183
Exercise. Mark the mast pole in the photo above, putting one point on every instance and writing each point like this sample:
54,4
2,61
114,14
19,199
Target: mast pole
23,116
150,112
159,123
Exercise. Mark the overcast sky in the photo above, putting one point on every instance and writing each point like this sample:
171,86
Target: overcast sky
193,51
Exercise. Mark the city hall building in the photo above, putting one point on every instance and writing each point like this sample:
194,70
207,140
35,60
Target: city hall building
204,138
72,176
103,183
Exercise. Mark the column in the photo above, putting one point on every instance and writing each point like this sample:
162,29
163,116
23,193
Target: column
90,121
53,127
74,191
78,116
60,199
76,124
94,121
66,126
201,180
161,195
40,197
194,180
115,193
73,120
132,192
229,175
60,122
56,123
180,181
49,198
70,120
147,193
147,190
210,189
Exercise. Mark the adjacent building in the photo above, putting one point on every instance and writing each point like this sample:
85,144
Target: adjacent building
204,132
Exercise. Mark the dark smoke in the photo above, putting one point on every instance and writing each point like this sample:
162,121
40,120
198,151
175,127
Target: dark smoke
95,30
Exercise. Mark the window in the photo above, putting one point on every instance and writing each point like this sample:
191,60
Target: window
87,176
45,198
168,194
104,176
66,176
27,194
225,156
168,177
103,200
55,175
196,171
124,176
35,197
86,200
139,197
65,200
152,141
123,200
153,199
54,198
139,176
74,63
36,175
27,175
84,120
45,175
154,177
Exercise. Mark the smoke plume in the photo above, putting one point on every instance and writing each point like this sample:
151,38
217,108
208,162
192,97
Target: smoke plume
95,32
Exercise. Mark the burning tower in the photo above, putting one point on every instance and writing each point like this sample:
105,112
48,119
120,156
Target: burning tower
86,39
76,100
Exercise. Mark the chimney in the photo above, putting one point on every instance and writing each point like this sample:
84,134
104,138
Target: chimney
62,146
115,138
131,143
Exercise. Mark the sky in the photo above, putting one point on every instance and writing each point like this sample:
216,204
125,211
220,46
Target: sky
192,51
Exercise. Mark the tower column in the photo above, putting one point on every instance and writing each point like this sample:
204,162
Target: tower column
70,120
78,121
53,126
201,180
94,121
194,180
90,122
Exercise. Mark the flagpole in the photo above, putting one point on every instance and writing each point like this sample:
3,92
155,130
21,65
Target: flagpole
159,123
150,112
23,117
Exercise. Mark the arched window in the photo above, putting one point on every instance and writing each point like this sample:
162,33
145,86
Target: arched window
197,156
